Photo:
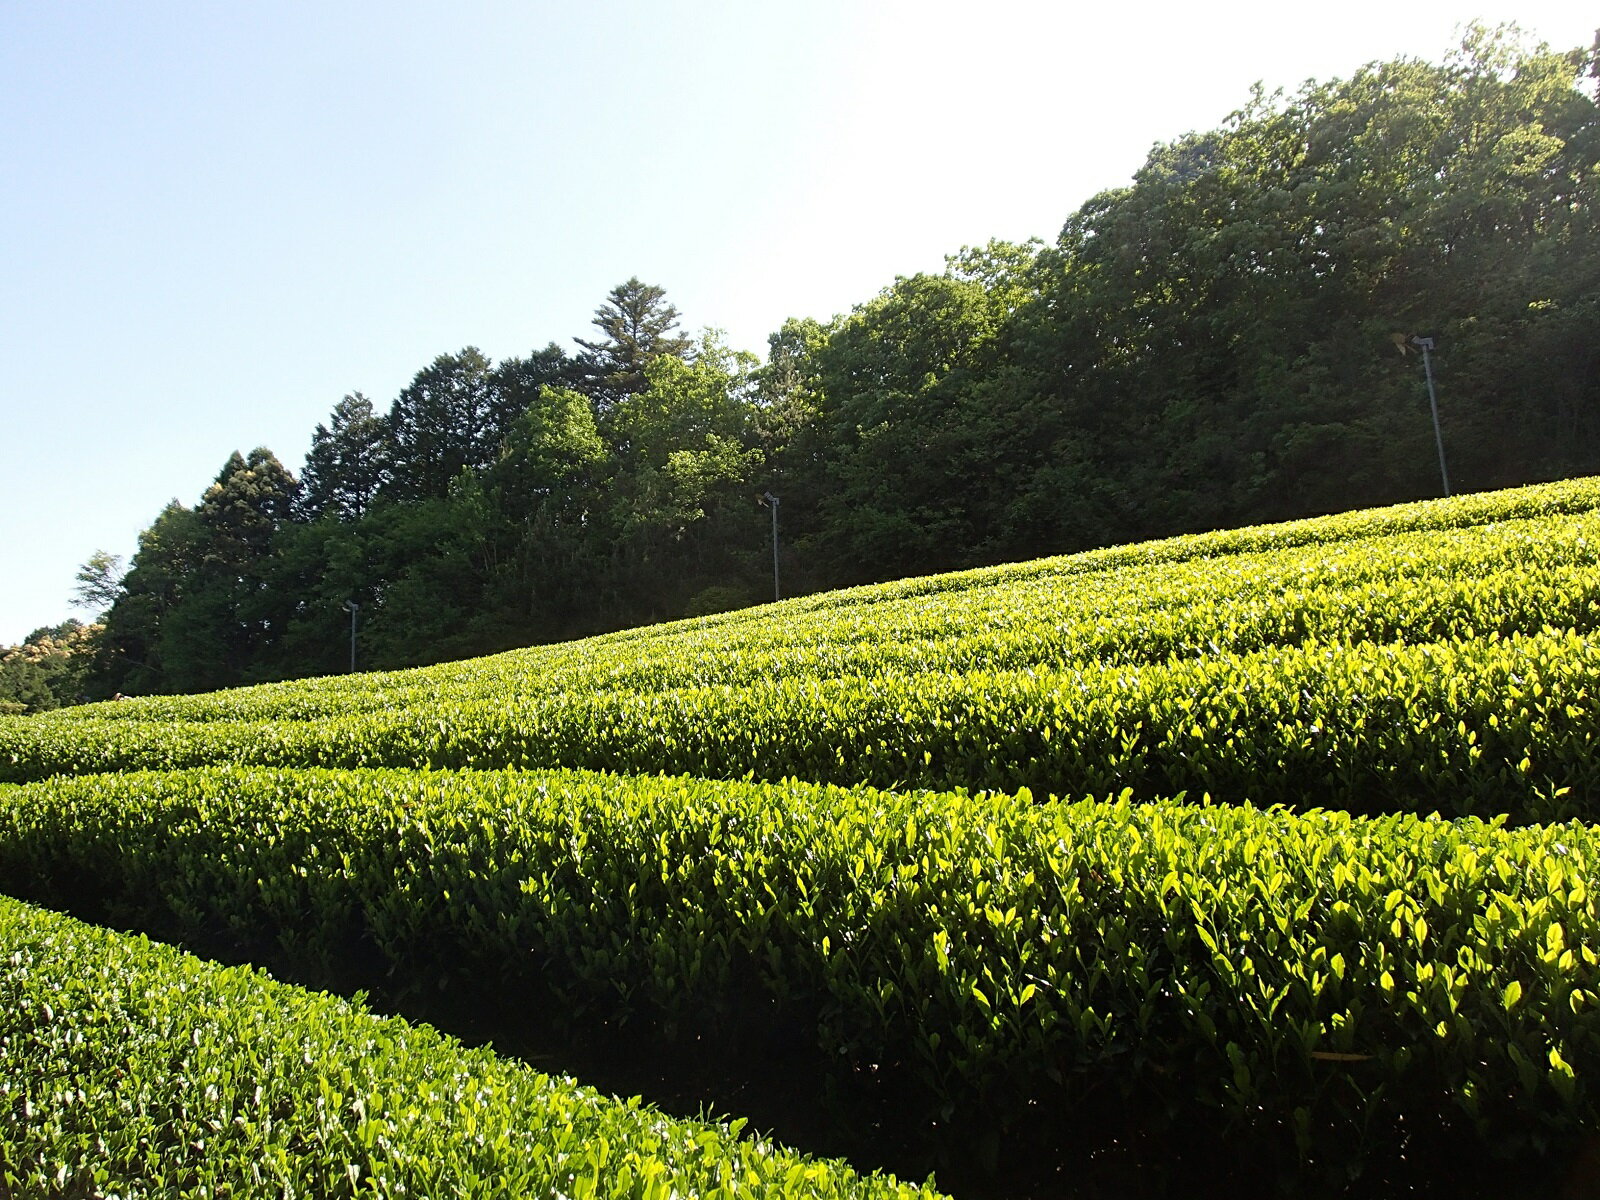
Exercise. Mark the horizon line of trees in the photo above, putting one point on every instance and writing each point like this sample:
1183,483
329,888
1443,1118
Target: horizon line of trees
1223,341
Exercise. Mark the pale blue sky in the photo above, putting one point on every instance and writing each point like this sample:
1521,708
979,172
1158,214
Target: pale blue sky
217,219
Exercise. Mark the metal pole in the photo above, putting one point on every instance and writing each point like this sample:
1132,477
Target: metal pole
773,501
354,609
1433,402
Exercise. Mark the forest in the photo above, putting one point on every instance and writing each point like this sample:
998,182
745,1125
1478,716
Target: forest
1229,339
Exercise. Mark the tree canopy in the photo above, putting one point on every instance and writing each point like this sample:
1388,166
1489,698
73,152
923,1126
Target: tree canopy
638,325
1226,339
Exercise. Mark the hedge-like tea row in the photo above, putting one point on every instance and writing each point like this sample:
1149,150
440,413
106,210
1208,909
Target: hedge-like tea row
1484,727
128,1069
1568,496
1486,581
1019,970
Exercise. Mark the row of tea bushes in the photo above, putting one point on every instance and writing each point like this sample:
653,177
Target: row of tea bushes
128,1069
1482,727
1016,975
1568,496
1454,584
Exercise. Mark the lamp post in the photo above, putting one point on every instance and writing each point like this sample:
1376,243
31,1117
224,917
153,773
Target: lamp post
353,608
1425,344
771,501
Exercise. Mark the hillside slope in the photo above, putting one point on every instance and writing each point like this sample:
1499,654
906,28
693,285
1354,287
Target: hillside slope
809,855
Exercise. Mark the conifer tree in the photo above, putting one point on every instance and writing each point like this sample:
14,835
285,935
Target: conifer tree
638,324
440,424
347,463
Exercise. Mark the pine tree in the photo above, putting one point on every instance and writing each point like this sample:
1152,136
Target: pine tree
638,324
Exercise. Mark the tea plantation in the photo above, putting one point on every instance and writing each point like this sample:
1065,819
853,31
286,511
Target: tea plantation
1254,862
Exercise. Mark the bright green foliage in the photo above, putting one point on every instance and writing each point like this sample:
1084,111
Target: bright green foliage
23,686
1239,965
1492,728
129,1069
1014,972
1345,555
1437,656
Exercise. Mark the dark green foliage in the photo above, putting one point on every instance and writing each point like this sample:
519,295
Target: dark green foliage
241,511
346,464
1212,345
681,496
24,687
540,501
1231,314
440,426
195,610
915,425
162,573
638,325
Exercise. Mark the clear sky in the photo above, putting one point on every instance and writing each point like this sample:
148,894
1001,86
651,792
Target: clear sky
217,219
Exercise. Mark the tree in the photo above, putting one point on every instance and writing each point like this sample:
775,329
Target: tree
347,463
441,424
99,582
423,583
918,422
637,322
54,658
161,574
788,388
683,468
1223,325
226,614
194,608
1209,345
548,458
314,568
23,687
516,384
241,511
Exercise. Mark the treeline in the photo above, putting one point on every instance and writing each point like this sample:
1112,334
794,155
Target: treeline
1226,340
50,668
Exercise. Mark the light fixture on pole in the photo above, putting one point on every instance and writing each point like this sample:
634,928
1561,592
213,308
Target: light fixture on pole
771,501
353,608
1425,344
